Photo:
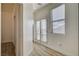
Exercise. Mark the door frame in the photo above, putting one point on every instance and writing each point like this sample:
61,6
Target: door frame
20,31
18,22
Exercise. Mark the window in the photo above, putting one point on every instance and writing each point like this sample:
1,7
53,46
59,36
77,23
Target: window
43,30
38,30
58,19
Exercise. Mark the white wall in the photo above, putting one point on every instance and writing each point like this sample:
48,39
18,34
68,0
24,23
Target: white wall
19,29
68,43
27,28
0,29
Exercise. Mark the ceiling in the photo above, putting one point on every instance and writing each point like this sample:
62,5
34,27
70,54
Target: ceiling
38,5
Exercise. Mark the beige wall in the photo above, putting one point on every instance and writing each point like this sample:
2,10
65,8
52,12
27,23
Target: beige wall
68,43
7,23
7,27
21,29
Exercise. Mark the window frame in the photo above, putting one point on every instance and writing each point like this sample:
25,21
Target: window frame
58,20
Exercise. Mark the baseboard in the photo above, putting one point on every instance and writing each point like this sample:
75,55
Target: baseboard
50,48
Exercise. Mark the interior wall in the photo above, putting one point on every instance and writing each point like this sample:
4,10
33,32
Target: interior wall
7,23
68,43
78,29
0,29
27,28
19,29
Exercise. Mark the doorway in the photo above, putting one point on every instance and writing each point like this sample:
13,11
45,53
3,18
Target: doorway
11,29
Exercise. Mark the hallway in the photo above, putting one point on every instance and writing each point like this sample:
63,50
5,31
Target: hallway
26,27
40,50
